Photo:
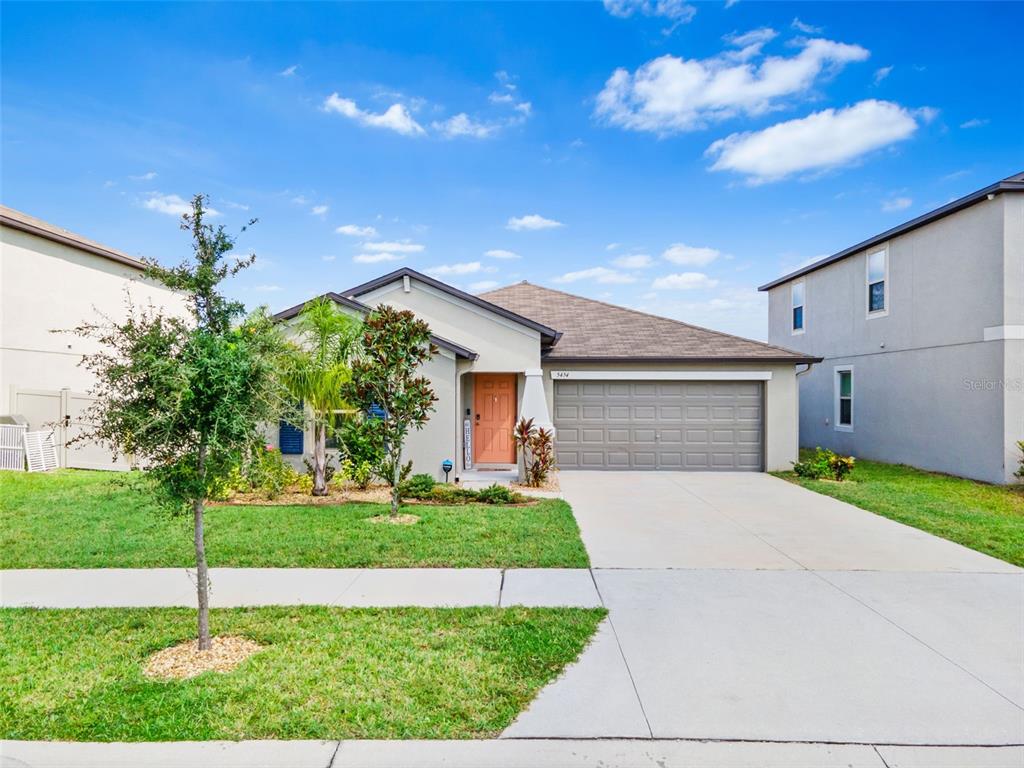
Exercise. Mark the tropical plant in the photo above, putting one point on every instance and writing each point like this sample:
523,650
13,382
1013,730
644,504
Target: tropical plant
1020,471
360,473
538,450
824,463
187,397
417,487
318,371
386,377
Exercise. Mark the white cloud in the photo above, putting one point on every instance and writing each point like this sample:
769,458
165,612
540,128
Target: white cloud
375,258
597,274
392,247
148,176
354,230
974,122
463,125
683,281
807,29
822,140
319,210
500,253
689,256
289,71
395,118
732,309
676,11
612,246
670,94
633,261
236,206
173,205
266,288
749,43
531,221
483,285
461,268
881,73
896,204
524,107
328,258
497,97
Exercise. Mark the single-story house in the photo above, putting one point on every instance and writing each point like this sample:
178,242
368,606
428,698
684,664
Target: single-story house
622,389
52,279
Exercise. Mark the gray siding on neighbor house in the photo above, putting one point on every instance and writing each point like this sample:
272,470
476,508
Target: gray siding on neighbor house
929,390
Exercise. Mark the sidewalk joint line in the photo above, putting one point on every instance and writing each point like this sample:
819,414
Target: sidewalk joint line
334,754
911,635
622,653
875,747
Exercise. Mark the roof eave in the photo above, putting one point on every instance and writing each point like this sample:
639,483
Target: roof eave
950,208
457,349
796,360
72,242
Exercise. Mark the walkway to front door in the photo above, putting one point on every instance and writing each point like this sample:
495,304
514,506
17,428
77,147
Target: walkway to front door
494,417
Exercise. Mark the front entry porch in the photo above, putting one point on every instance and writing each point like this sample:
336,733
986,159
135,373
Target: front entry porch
491,404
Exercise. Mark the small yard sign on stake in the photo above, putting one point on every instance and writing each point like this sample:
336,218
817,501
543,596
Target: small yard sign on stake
40,451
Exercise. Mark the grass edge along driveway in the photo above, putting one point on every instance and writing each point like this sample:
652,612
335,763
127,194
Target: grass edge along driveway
80,519
324,673
986,518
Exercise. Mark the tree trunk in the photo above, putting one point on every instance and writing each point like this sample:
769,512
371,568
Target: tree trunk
202,576
320,460
396,470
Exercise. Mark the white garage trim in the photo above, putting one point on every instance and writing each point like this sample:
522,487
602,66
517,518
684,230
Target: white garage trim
621,375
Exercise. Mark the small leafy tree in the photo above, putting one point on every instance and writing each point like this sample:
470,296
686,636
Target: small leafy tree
318,371
186,397
538,450
385,375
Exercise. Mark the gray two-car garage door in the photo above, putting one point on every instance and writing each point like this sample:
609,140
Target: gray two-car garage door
673,425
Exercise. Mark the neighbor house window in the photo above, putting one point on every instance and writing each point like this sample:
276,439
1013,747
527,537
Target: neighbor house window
798,307
844,399
878,283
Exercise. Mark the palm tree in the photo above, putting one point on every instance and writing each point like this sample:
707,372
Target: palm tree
318,369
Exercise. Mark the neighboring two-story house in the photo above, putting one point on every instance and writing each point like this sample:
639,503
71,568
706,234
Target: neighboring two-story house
922,333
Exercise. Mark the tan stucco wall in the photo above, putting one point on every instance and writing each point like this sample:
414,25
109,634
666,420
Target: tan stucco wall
502,345
780,409
46,285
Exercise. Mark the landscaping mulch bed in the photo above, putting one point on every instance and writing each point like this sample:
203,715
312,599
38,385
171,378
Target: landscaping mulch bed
185,660
375,494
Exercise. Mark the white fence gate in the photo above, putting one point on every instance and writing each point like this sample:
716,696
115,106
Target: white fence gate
65,413
12,446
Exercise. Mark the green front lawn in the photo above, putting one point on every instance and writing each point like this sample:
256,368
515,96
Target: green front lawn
988,518
325,673
76,519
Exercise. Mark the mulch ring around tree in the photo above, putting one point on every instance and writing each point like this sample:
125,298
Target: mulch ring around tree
185,660
396,520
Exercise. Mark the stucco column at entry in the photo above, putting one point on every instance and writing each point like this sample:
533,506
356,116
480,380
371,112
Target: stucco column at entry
535,405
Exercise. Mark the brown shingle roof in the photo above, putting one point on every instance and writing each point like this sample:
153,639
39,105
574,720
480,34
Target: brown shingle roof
594,330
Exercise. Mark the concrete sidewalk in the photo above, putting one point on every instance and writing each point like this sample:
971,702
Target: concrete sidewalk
539,753
347,587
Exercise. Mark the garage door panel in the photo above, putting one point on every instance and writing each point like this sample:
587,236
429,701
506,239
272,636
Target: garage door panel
667,425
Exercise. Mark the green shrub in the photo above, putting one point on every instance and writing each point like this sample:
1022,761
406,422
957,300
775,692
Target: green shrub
304,483
417,487
360,440
825,464
1020,472
358,473
499,494
446,493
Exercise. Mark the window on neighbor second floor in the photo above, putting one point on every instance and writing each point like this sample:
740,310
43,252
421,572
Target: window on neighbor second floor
878,283
797,315
844,399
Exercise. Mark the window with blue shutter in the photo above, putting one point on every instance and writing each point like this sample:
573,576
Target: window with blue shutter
290,439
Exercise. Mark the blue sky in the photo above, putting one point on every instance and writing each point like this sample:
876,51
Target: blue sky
659,155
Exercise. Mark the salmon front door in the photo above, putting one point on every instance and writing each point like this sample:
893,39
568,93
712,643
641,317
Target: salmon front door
494,417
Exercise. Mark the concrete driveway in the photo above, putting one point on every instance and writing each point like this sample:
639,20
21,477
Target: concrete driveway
746,608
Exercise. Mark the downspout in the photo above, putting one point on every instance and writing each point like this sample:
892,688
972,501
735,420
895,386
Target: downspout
798,375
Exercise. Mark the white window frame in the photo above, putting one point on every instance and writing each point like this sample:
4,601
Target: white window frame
836,389
867,283
803,316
